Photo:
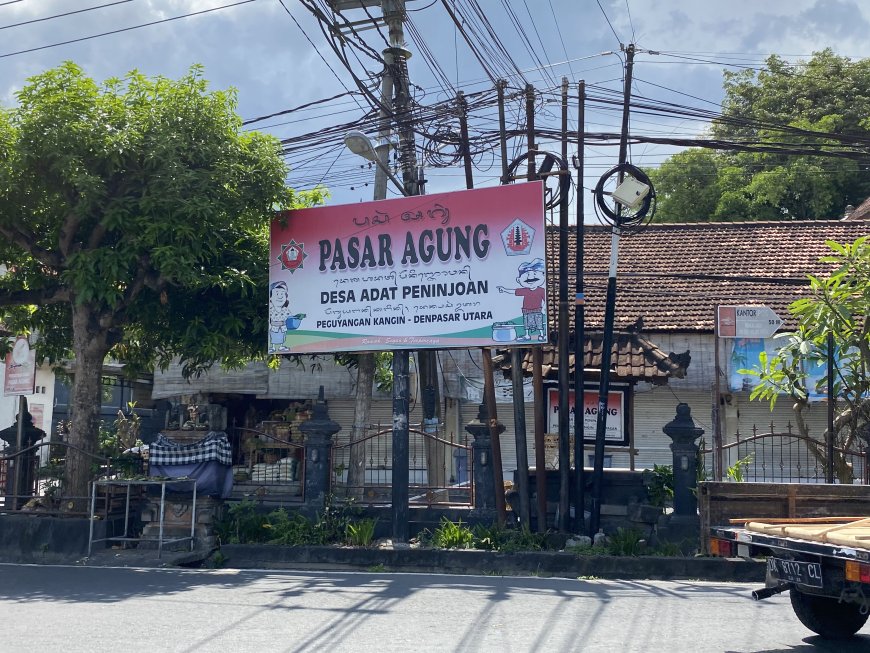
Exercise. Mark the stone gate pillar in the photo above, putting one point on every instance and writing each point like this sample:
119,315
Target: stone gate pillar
483,472
317,433
683,432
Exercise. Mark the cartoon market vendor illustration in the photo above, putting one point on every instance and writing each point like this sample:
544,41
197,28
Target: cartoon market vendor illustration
279,311
531,279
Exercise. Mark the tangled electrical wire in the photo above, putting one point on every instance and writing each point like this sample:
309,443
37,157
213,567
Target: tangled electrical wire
627,220
545,170
442,147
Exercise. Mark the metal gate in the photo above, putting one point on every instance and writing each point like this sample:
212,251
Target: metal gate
785,457
439,471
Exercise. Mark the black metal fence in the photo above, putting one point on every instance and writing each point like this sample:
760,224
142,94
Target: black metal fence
41,487
439,470
786,457
268,466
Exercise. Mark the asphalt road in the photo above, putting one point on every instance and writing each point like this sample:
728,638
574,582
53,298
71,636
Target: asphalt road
71,609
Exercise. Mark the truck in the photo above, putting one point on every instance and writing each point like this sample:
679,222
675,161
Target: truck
823,563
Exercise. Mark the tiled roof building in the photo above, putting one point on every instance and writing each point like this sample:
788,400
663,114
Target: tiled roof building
671,277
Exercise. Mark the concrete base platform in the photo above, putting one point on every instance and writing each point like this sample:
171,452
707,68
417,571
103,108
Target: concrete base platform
531,563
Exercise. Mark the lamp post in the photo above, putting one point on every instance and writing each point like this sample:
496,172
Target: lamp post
362,145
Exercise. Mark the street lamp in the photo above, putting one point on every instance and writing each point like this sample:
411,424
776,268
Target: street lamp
360,144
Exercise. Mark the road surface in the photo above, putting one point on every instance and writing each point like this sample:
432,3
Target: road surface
87,609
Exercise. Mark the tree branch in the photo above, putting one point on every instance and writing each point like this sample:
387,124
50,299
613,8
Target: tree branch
40,297
68,233
145,278
27,242
97,236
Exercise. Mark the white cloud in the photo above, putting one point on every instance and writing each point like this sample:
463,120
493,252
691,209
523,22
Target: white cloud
257,48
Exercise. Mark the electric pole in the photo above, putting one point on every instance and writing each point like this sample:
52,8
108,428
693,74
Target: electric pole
609,316
579,326
394,16
395,84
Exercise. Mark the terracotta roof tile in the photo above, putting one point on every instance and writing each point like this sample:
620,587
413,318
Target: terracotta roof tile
762,262
632,357
862,212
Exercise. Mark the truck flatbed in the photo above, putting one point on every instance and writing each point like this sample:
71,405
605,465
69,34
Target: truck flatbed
782,536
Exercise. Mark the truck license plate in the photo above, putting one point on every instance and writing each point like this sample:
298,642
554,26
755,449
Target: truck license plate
794,571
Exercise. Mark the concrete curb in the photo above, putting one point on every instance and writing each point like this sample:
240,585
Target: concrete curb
529,563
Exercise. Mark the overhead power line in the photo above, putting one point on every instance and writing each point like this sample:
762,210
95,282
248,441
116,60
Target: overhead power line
124,29
68,13
618,40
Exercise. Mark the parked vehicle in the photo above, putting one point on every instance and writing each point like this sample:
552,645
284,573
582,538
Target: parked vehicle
824,564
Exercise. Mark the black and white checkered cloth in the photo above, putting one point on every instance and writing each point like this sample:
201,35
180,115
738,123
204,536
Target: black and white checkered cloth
213,447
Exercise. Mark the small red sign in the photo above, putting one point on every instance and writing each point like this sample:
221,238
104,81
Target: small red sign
20,376
727,321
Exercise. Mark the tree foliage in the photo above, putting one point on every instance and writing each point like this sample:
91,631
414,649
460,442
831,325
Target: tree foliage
820,106
134,220
838,304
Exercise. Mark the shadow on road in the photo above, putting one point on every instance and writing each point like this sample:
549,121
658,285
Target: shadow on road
815,644
107,584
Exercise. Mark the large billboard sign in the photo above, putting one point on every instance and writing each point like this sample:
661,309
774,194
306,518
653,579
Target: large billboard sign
460,269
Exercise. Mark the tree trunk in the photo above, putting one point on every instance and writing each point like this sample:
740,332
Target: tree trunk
843,472
365,373
90,348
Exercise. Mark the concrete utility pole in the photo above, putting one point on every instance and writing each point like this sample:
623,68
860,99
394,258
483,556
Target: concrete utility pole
609,315
394,15
366,361
395,58
579,326
395,81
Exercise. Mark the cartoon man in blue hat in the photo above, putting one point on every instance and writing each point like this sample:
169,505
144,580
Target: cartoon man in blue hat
531,279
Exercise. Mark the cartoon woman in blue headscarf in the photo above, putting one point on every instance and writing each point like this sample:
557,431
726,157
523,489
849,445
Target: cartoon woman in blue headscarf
279,311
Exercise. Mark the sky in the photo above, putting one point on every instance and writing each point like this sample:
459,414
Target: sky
278,58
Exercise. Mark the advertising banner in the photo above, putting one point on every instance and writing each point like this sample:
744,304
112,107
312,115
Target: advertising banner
460,269
20,372
615,431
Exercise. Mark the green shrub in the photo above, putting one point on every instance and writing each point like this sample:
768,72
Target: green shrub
489,538
736,471
668,550
661,487
330,526
361,532
524,540
295,530
626,542
242,524
448,535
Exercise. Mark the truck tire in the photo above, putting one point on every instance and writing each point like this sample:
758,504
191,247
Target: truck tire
826,616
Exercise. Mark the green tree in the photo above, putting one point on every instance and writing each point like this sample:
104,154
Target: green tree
839,304
134,221
821,105
687,187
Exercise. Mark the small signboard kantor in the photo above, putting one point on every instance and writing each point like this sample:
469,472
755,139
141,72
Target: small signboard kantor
747,321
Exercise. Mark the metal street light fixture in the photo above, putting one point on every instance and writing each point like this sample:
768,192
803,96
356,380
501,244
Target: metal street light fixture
362,145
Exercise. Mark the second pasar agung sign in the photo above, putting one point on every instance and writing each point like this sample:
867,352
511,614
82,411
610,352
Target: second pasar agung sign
460,269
